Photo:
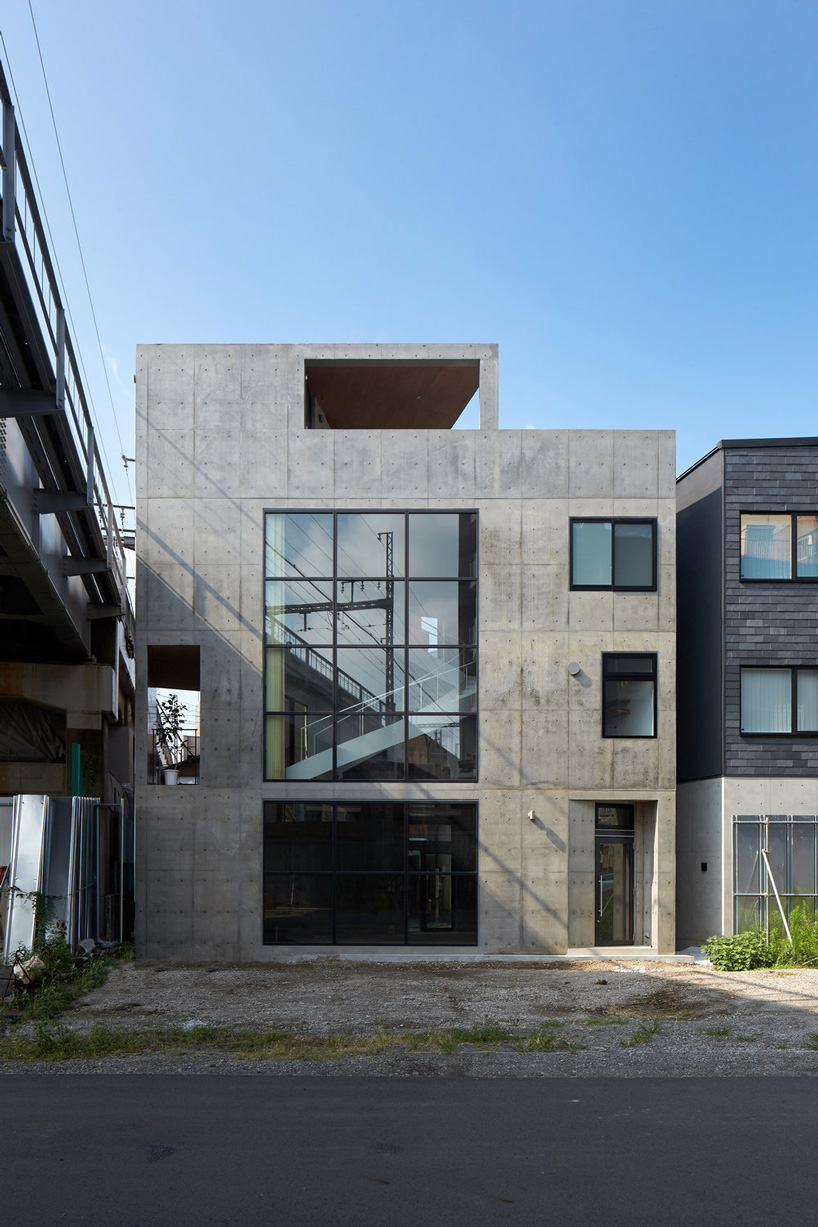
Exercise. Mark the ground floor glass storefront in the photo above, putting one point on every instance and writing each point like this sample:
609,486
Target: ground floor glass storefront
773,852
378,873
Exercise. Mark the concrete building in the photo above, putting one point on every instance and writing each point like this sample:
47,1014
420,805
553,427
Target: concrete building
748,684
435,668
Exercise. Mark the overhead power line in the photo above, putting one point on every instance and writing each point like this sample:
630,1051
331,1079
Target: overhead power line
79,247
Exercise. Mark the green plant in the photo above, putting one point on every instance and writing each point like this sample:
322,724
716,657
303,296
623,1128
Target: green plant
741,952
643,1034
718,1033
170,715
64,979
753,949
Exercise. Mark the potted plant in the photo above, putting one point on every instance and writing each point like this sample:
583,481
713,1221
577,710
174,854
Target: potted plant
169,740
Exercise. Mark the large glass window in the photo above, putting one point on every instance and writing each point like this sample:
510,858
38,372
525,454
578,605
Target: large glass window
618,554
782,545
790,842
628,694
370,658
389,873
779,700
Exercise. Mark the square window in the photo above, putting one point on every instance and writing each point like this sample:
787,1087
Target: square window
629,694
779,701
615,554
770,541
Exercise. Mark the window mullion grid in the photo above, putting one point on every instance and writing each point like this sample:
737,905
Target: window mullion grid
334,687
406,860
334,885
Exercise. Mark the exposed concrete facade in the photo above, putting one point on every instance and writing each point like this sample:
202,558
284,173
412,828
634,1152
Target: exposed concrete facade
221,439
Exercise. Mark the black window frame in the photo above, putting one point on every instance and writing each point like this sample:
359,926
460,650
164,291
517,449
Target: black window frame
613,521
635,676
406,874
405,579
775,579
794,733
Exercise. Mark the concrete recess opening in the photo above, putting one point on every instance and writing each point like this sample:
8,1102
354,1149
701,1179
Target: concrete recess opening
173,714
353,394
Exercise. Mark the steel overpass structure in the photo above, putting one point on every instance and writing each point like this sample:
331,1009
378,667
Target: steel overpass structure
66,618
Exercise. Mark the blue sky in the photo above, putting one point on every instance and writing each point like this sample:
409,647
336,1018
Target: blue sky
621,193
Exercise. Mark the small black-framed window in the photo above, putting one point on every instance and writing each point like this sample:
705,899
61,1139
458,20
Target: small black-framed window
779,701
617,554
629,707
779,545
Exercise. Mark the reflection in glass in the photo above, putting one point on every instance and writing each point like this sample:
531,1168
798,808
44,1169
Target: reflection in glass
298,746
298,544
442,838
297,837
766,700
806,546
370,836
748,914
298,612
442,909
803,858
748,859
442,613
442,747
805,907
765,546
807,700
299,676
370,612
297,908
619,662
615,816
629,708
442,679
369,746
369,678
443,544
777,840
371,545
370,908
396,867
633,555
591,554
614,898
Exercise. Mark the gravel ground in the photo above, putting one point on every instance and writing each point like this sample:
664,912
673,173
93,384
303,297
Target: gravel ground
709,1023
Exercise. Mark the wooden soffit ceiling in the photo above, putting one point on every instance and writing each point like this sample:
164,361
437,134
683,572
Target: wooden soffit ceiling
392,396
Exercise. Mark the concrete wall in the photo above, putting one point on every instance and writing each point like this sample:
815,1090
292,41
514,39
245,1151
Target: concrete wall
705,810
703,896
220,439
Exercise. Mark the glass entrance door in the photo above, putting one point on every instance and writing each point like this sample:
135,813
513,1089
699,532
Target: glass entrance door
614,890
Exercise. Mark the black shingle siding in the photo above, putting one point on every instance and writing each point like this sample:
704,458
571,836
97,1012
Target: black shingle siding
766,624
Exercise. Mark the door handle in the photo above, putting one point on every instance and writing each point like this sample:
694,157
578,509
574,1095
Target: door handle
600,894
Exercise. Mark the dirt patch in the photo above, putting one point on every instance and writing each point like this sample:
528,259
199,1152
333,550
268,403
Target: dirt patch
618,1019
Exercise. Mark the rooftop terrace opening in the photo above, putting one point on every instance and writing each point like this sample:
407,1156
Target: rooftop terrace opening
384,394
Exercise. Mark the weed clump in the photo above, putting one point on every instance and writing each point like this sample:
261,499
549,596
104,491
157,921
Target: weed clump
753,949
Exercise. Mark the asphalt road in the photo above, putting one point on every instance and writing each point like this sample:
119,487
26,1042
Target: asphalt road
141,1151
